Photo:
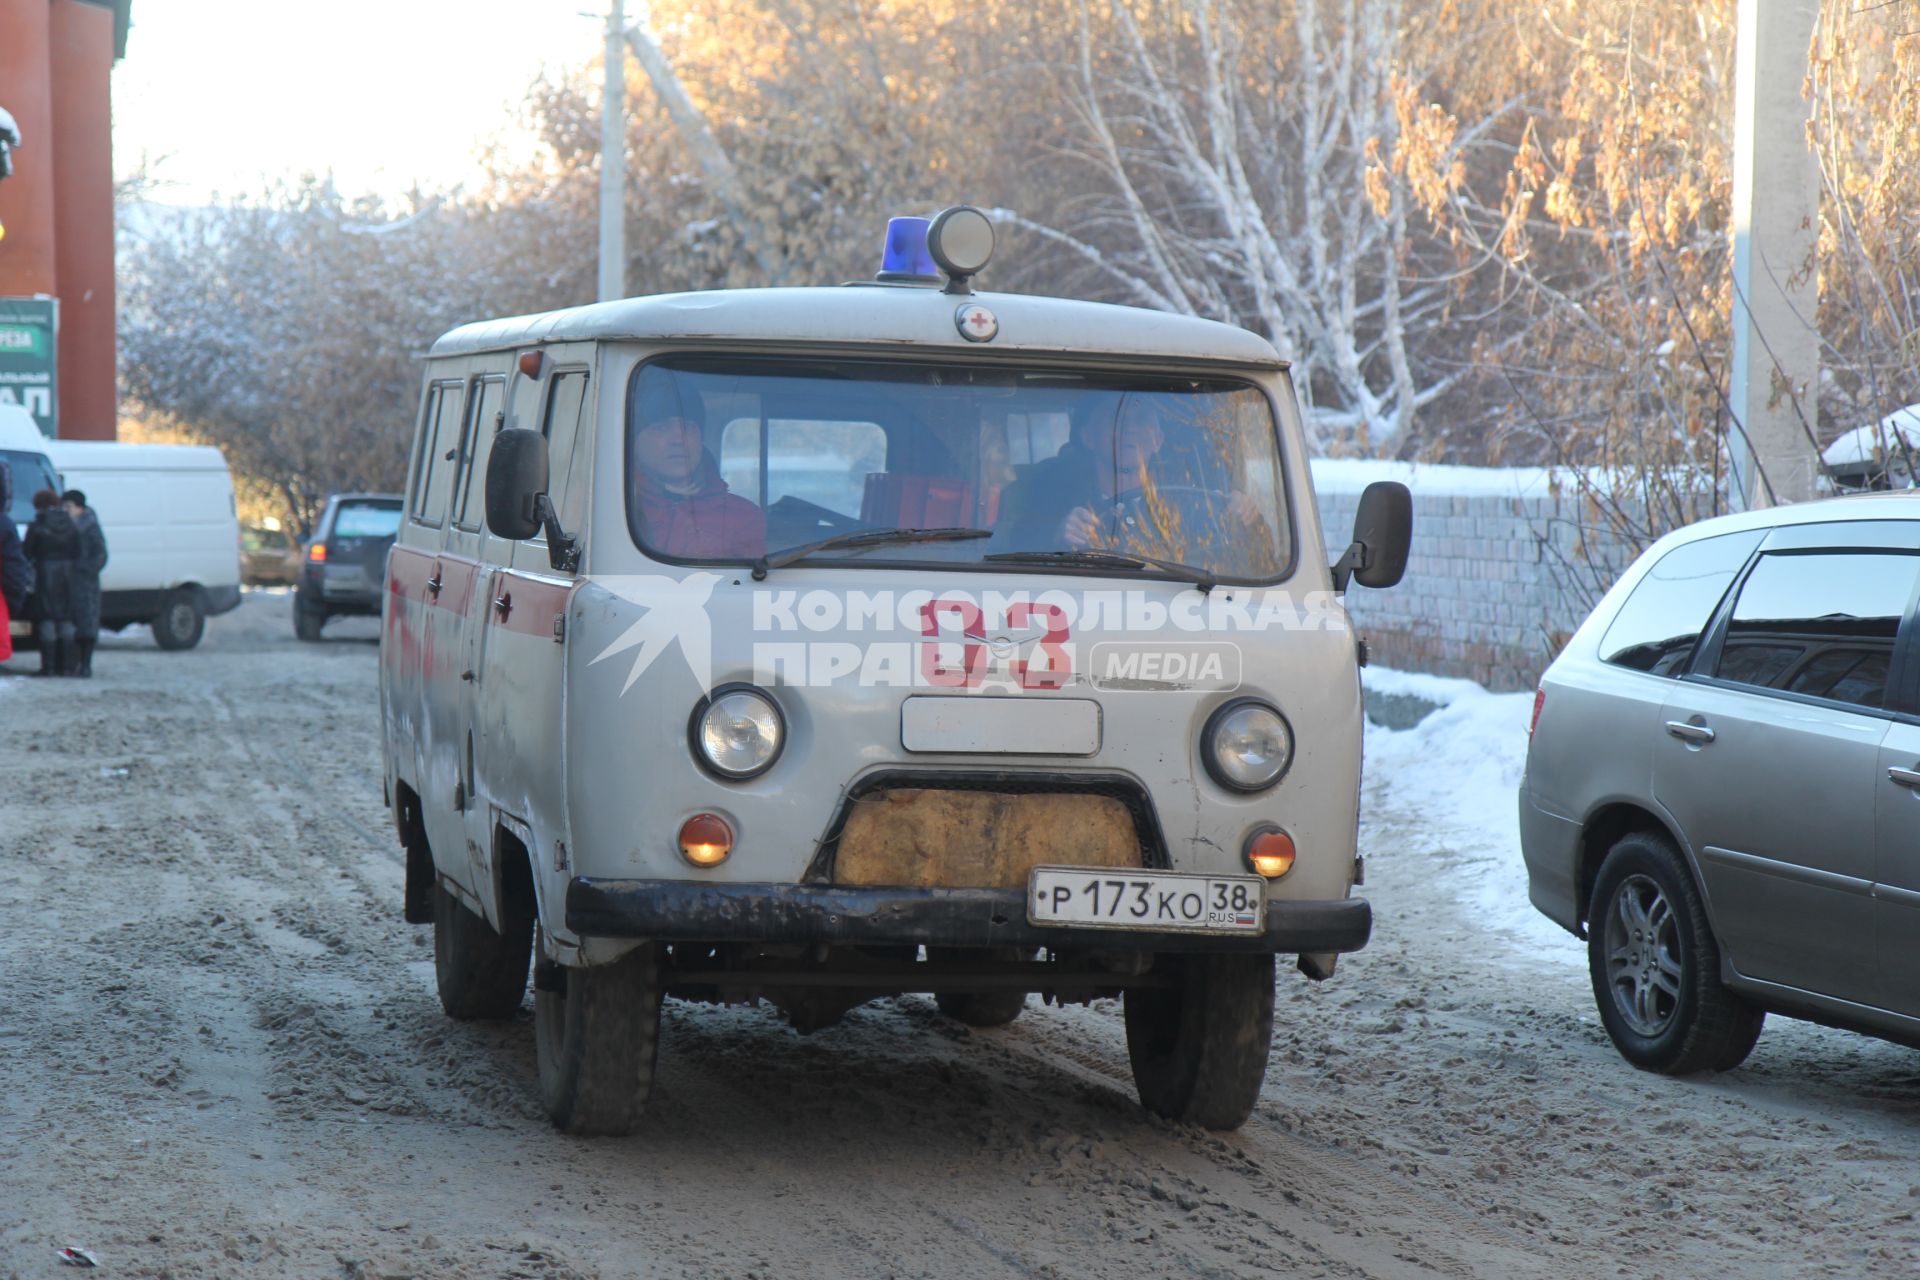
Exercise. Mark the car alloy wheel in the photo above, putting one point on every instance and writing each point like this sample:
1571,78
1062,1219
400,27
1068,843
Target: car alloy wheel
1644,965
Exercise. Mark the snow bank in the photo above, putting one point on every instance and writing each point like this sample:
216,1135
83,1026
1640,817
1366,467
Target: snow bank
1865,446
1454,779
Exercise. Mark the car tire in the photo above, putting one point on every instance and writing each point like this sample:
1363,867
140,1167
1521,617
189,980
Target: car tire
1199,1048
181,622
1655,965
481,973
994,1008
307,622
596,1040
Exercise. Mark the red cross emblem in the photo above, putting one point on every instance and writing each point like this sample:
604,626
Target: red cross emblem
976,323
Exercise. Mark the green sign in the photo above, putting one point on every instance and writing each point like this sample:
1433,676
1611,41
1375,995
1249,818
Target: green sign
28,355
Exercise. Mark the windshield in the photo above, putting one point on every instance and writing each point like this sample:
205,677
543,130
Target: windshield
28,472
734,458
366,520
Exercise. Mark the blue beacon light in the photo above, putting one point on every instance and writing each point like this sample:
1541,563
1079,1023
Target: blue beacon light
906,260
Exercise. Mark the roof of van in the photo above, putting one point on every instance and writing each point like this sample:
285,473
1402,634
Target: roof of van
78,457
18,430
878,315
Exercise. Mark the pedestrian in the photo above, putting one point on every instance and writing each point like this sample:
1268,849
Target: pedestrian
53,544
86,579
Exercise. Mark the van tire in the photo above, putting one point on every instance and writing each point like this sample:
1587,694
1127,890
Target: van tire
980,1008
181,622
596,1040
1199,1050
481,973
307,622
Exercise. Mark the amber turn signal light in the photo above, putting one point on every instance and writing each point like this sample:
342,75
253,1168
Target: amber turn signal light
1270,853
706,839
317,552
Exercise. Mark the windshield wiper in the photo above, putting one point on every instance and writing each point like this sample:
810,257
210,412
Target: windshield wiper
862,538
1205,579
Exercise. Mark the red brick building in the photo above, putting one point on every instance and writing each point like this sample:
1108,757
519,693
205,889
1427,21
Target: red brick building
56,63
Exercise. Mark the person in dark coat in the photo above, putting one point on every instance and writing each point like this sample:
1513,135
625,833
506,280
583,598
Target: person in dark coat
86,579
53,544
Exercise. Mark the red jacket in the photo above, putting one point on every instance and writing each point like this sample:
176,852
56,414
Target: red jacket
707,524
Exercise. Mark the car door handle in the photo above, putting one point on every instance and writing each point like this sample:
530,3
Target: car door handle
1905,777
433,583
1690,732
503,605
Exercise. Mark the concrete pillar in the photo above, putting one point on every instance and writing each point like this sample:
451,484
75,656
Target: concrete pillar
81,48
26,199
1776,203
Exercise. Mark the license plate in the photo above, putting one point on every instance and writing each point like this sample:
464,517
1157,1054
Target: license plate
1152,901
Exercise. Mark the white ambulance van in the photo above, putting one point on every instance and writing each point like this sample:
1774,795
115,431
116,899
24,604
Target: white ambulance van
815,645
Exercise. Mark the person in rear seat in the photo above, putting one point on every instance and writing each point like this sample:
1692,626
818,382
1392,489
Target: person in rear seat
684,506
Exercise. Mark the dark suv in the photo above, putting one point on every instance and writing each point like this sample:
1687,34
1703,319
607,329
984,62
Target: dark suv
345,569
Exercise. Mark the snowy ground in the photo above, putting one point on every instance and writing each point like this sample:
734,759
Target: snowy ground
220,1055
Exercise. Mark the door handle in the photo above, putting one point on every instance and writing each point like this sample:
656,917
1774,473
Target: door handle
434,584
1690,732
1905,777
503,604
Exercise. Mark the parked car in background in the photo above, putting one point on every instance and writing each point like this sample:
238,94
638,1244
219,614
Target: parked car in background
1722,792
345,569
268,557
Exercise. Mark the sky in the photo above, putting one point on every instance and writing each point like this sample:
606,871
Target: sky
227,95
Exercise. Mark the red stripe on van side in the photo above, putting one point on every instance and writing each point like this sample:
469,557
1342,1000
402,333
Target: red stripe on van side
535,603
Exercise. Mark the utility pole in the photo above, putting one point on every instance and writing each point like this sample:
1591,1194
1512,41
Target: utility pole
613,160
1776,205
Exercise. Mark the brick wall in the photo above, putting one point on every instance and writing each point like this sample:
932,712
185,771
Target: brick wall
1501,573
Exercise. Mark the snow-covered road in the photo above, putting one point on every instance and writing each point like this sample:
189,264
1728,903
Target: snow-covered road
221,1055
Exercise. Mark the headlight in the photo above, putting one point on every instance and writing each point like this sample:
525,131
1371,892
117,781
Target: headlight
1246,745
738,732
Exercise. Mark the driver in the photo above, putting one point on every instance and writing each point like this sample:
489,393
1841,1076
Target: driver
1061,501
685,508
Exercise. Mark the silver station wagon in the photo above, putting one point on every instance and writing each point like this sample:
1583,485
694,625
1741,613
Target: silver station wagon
813,645
1722,792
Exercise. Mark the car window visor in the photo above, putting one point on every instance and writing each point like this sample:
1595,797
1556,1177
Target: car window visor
862,538
1202,578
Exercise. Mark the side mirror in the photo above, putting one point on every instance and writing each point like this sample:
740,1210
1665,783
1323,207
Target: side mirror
1382,536
516,478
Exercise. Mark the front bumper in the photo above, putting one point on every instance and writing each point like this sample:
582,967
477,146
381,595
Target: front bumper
684,911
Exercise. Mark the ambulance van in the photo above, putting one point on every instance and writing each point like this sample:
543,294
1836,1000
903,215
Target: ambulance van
818,645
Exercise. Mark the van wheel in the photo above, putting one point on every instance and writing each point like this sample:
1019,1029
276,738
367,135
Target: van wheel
596,1039
1656,967
307,622
1199,1048
480,973
980,1008
181,622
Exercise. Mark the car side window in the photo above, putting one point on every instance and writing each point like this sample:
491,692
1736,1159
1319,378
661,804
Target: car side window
1822,624
1656,628
439,441
481,424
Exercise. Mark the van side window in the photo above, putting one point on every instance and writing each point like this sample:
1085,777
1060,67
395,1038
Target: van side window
482,422
1655,630
433,470
1820,624
570,441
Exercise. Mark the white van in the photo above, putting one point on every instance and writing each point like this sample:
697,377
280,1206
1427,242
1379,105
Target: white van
168,513
812,645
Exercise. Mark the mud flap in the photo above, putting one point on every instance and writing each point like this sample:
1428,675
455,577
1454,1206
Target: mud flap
1318,965
418,906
